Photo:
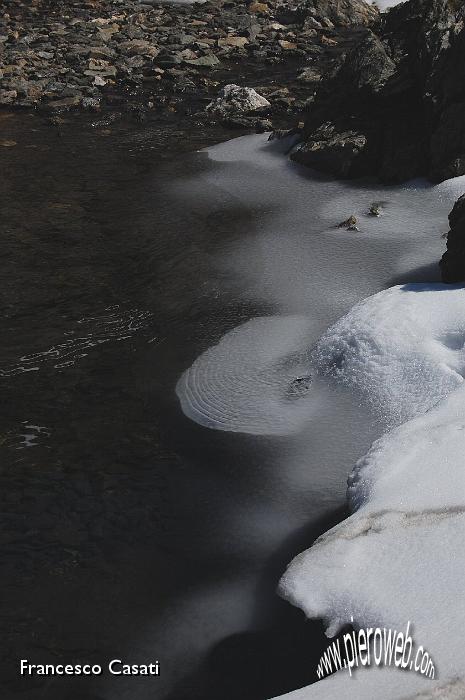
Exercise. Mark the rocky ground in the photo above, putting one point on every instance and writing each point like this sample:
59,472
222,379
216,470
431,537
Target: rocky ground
170,59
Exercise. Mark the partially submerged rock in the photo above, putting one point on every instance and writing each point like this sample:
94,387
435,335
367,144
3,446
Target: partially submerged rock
340,153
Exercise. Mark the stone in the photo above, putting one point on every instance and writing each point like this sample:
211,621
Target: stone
399,87
339,153
204,61
287,45
65,103
238,101
309,75
236,41
258,7
453,261
7,97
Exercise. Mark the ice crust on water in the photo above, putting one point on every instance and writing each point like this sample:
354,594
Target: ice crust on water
299,260
400,556
244,384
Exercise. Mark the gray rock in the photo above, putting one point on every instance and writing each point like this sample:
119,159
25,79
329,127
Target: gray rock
204,61
237,101
453,261
339,153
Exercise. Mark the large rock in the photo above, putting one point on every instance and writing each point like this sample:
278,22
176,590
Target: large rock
338,153
237,101
402,86
453,261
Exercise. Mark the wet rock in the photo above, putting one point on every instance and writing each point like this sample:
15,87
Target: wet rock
453,261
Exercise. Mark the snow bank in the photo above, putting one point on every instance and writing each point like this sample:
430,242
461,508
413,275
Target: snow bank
400,556
403,349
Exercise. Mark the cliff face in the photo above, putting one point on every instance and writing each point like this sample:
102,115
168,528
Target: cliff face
395,106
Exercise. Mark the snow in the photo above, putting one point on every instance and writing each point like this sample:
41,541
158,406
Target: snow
384,5
399,556
403,349
399,355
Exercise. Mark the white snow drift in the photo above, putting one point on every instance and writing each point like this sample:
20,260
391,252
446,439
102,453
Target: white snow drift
403,349
400,556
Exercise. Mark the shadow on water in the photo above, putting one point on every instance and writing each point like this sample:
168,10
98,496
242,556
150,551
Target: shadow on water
281,651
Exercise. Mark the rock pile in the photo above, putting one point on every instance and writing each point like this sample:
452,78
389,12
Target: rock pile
68,54
395,105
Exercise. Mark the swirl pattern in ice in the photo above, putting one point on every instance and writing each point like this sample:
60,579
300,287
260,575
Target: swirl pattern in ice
255,380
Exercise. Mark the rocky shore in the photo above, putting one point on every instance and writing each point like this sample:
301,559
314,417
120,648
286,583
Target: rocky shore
174,58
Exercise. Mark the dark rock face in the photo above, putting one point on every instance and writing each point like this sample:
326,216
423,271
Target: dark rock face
401,87
453,261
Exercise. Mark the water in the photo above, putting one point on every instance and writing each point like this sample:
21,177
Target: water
129,530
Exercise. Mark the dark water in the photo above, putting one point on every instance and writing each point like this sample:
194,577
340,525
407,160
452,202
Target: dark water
125,527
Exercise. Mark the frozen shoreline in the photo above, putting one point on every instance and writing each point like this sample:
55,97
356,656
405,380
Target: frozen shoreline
287,261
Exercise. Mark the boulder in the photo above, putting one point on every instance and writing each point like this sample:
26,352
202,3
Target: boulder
453,261
340,153
236,101
402,85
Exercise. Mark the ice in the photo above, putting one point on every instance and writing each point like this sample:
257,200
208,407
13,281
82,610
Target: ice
400,556
296,259
255,380
399,353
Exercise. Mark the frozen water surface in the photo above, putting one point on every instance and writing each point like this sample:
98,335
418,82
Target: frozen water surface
396,358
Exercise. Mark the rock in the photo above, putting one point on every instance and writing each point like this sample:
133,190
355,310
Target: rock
65,103
309,75
235,101
139,47
349,224
168,60
453,261
236,41
258,7
340,153
287,45
399,87
327,13
375,209
7,97
204,61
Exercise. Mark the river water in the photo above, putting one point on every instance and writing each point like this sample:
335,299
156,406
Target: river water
131,530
